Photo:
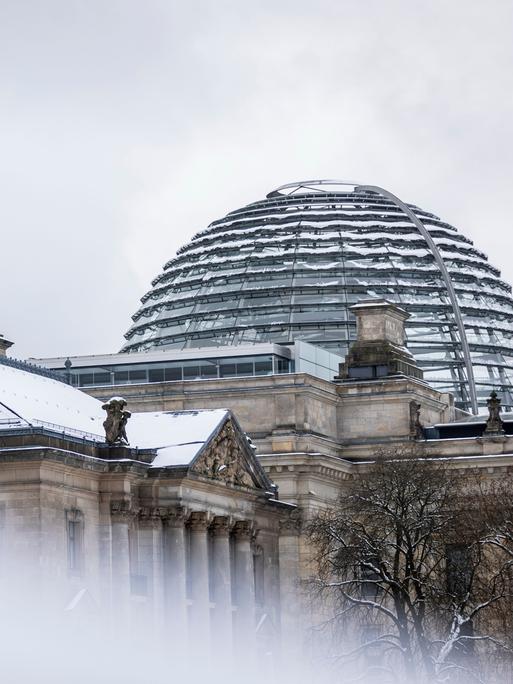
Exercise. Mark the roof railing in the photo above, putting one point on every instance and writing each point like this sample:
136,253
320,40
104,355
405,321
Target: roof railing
32,368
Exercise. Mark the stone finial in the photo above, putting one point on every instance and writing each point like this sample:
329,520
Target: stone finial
494,424
115,423
379,349
4,345
67,366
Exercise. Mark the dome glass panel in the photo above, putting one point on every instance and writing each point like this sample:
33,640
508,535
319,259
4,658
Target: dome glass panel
289,267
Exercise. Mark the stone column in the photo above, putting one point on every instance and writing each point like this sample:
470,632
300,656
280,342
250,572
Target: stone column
105,548
199,615
244,590
121,519
290,599
175,587
150,564
222,586
268,636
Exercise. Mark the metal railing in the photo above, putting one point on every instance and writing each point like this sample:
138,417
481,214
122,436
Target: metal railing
32,368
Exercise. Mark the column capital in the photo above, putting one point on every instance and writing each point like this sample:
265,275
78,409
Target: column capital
243,529
150,516
221,525
198,521
174,516
122,511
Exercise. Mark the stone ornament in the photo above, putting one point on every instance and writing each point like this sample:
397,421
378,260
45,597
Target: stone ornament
225,461
174,516
291,522
494,424
221,525
122,510
115,423
416,429
243,529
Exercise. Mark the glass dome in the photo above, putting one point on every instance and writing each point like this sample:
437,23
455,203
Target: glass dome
289,267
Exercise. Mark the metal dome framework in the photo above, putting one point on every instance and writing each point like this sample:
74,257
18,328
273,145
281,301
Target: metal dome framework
290,266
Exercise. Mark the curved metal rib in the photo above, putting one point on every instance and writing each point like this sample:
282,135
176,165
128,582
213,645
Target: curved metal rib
446,278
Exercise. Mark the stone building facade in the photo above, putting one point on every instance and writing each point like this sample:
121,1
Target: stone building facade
203,540
313,436
177,533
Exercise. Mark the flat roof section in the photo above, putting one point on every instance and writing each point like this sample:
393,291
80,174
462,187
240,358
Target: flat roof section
157,356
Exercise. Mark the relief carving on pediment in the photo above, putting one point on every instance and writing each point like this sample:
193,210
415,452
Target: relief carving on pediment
225,461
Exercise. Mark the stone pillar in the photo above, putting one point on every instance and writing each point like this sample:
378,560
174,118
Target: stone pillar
290,599
150,564
244,590
222,589
175,583
199,615
121,519
105,547
268,635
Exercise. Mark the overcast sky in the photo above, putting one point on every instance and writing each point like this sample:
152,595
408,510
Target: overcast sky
126,126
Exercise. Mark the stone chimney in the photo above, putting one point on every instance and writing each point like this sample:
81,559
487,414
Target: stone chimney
379,349
4,345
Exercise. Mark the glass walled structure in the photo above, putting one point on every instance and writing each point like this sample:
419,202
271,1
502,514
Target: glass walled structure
289,267
172,365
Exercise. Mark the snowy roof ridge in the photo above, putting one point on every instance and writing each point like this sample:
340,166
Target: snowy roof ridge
31,368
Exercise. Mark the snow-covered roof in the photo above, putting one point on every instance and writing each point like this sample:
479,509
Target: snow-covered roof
35,399
178,435
29,399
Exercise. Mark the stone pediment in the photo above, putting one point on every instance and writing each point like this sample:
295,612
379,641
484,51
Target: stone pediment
228,458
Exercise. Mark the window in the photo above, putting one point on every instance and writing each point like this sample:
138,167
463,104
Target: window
173,373
208,371
373,652
137,376
75,533
263,367
369,588
191,372
458,568
228,370
156,375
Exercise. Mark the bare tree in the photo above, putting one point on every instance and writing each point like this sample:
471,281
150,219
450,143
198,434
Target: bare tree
401,560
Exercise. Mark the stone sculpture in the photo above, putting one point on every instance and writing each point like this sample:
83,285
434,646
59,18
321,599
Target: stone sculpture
115,423
224,461
416,429
494,424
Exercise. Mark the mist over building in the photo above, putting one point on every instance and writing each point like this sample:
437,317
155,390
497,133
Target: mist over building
275,355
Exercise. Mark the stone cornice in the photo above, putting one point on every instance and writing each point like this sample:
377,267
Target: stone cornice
179,389
58,456
307,462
